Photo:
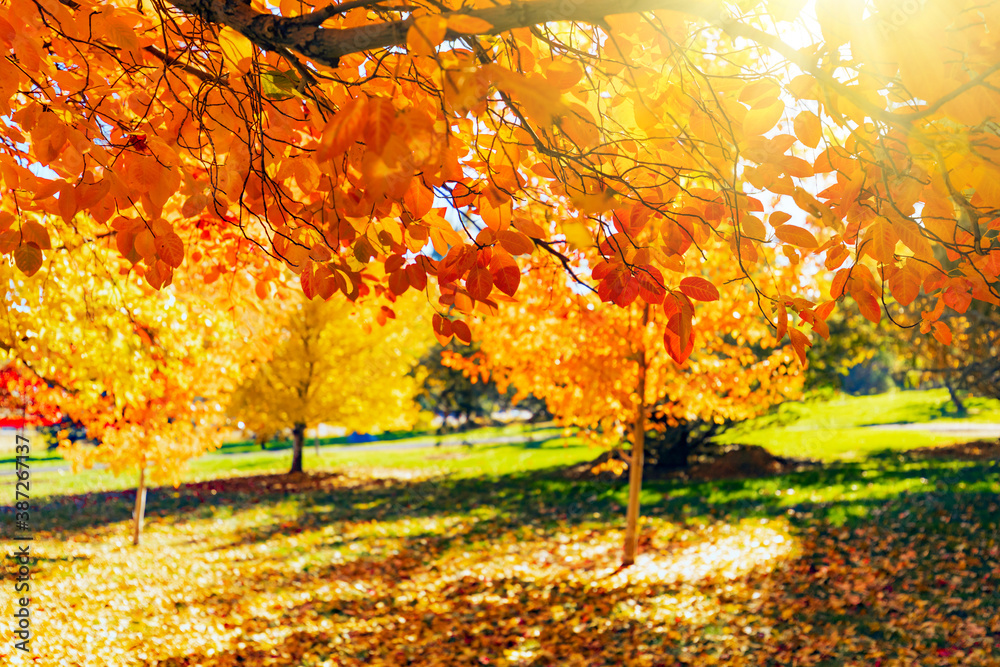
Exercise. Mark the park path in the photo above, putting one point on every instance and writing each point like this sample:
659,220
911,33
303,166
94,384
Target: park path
965,429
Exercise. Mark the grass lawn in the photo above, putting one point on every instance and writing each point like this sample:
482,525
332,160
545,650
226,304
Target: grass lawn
836,428
456,556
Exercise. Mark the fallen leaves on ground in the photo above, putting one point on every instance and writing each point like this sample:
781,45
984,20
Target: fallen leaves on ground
369,569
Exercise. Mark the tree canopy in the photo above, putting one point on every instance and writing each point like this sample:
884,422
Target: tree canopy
344,140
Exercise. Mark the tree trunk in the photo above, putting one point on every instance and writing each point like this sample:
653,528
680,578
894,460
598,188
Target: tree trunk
298,439
140,506
634,489
635,465
955,398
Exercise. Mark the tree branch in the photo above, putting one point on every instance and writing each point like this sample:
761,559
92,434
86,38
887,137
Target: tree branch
327,45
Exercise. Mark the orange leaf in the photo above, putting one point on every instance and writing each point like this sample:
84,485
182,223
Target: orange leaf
699,289
782,317
426,33
753,228
904,285
468,25
345,129
170,249
868,304
796,236
800,342
381,118
880,240
763,116
515,243
942,333
836,256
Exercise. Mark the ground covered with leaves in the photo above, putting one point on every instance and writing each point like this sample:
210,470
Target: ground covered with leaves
888,562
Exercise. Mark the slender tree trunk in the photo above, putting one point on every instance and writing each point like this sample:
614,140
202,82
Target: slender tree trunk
298,439
635,465
634,489
140,506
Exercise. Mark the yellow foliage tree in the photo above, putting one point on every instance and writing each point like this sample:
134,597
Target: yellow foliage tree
337,363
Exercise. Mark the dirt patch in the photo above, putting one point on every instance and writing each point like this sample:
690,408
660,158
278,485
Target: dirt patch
979,450
742,462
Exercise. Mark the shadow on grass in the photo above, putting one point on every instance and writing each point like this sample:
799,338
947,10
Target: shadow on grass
844,493
886,586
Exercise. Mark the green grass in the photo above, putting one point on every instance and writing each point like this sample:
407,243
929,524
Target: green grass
835,429
43,457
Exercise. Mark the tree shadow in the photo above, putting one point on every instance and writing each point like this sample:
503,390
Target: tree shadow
887,587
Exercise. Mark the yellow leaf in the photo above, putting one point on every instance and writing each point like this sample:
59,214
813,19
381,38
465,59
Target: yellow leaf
808,128
763,116
578,235
597,203
235,48
796,236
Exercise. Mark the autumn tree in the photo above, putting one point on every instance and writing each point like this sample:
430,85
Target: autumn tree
610,372
338,364
144,371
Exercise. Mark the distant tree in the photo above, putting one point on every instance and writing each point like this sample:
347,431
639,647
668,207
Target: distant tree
472,400
336,363
859,357
964,354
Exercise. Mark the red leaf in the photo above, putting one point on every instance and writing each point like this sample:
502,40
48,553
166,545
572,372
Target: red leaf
651,287
398,282
28,258
699,289
629,291
479,284
461,331
506,274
